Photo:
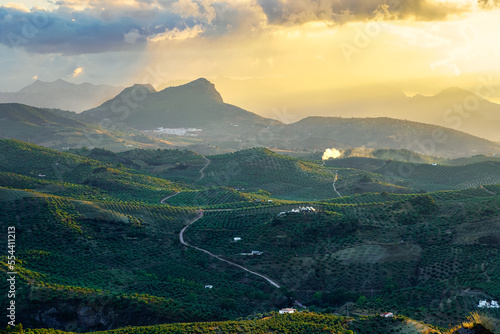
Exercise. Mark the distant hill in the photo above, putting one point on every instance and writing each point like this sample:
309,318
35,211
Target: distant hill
313,132
61,94
60,129
196,114
454,108
15,112
42,126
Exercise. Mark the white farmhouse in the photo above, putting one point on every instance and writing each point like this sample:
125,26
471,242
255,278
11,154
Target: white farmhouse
287,310
486,304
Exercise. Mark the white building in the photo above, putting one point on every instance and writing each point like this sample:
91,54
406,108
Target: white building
386,315
236,239
287,310
486,304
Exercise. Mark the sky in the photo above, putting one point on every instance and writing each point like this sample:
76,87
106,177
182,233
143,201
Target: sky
273,50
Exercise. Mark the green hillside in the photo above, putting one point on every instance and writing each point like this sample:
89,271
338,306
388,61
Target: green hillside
288,178
107,240
46,164
117,260
425,176
182,165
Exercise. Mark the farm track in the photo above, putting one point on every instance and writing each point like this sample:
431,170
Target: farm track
181,239
488,191
333,185
169,196
202,170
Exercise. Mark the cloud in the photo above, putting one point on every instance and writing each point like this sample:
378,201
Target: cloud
96,26
340,11
83,27
132,36
177,34
18,6
77,71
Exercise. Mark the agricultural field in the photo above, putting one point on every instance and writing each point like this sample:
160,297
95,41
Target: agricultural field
109,234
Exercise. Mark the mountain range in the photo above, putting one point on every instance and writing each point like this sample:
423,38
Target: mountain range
61,94
195,113
455,108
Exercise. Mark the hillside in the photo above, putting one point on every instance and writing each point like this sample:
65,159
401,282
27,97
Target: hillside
103,236
67,170
343,133
195,115
61,94
303,322
284,177
182,165
425,176
62,130
453,107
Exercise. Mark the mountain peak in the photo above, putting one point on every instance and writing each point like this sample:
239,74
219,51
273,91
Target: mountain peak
454,91
201,86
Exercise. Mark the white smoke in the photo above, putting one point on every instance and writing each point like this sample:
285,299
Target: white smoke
331,153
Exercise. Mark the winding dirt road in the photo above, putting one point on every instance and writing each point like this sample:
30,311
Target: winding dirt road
333,184
181,239
202,171
169,196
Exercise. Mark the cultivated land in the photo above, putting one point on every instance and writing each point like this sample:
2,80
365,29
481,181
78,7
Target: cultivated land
98,241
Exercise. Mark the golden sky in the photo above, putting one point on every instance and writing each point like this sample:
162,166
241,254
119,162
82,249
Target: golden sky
271,50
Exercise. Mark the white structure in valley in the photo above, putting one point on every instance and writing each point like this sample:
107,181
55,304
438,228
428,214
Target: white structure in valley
486,304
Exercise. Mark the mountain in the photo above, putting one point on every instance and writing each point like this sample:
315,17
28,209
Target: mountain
455,108
194,105
195,114
61,94
199,105
313,132
460,109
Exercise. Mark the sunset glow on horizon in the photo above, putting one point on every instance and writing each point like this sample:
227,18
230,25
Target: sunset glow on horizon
252,49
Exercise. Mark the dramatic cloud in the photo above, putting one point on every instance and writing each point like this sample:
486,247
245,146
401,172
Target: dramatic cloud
295,44
94,26
301,11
